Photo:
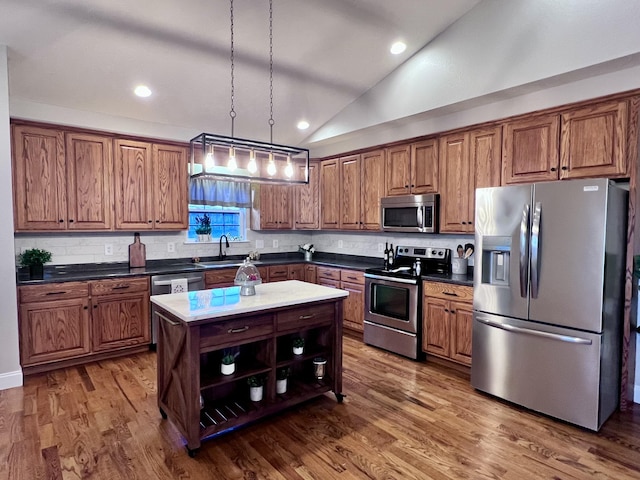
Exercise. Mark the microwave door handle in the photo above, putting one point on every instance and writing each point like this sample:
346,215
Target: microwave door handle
524,251
420,216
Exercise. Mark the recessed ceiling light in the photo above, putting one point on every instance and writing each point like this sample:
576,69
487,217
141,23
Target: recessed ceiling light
303,125
142,91
398,48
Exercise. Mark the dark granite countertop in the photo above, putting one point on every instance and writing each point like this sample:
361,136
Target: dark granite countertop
450,278
100,271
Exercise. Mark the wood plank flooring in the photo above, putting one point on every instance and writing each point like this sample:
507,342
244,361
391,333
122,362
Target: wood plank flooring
400,420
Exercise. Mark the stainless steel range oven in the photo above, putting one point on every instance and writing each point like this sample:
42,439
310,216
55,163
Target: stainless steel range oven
393,299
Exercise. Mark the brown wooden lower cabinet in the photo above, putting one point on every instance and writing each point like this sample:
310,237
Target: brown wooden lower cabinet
351,281
57,326
447,321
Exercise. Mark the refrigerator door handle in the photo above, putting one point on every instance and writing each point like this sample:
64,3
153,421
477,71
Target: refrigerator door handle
535,250
536,333
524,251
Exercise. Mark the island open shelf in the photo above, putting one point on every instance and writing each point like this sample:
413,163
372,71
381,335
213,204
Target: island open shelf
196,329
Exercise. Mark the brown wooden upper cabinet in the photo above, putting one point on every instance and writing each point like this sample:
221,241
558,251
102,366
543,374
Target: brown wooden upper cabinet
593,141
62,181
589,141
274,210
468,160
150,186
330,194
307,200
413,168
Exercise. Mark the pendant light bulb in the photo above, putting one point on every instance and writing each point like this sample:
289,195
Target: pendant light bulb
271,167
209,160
232,165
288,170
252,166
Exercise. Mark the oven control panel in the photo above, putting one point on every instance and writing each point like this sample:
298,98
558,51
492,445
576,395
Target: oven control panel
424,252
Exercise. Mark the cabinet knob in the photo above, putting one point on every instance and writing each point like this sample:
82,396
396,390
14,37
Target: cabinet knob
61,221
565,168
446,310
453,311
406,186
157,221
86,308
150,221
71,220
553,169
412,185
463,223
95,306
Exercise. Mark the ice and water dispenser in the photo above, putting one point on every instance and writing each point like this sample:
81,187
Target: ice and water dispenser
496,253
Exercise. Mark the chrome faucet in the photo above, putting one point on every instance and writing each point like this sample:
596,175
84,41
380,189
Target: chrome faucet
226,241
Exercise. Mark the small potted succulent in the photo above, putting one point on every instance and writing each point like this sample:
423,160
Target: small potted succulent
228,365
256,386
281,380
203,230
34,258
298,345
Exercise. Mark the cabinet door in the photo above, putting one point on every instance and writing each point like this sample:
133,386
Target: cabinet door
353,306
310,273
133,185
424,167
398,170
530,150
594,141
330,194
461,330
372,188
39,179
89,182
484,164
54,330
456,191
296,272
120,320
436,332
278,273
170,195
283,208
350,193
307,200
225,277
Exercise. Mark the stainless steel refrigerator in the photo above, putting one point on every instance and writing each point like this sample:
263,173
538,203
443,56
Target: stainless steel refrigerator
548,297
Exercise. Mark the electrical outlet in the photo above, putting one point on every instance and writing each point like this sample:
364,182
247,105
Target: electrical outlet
275,244
259,243
171,247
380,248
340,244
108,249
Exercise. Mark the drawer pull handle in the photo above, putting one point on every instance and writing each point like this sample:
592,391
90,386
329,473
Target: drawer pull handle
452,294
57,293
306,317
121,287
238,330
168,320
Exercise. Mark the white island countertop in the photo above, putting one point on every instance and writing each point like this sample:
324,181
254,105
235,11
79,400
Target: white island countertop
222,302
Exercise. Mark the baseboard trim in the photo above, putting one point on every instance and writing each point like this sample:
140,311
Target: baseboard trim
11,380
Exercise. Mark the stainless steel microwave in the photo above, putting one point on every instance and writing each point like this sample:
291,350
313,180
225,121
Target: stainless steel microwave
410,213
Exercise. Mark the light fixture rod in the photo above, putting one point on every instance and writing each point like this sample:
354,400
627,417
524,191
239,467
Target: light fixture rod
271,121
232,113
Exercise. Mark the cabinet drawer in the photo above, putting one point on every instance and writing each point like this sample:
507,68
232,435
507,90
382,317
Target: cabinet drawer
53,291
352,276
278,272
327,272
304,317
123,285
236,331
448,291
225,275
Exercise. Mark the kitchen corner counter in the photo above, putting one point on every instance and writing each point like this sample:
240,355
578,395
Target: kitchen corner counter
223,302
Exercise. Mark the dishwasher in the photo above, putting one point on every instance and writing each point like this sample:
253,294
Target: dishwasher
161,284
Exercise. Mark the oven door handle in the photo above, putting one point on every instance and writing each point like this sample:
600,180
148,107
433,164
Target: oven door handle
391,279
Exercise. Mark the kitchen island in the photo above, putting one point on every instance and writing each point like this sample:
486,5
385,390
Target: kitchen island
196,329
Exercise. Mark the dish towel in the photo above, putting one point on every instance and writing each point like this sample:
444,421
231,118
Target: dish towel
179,285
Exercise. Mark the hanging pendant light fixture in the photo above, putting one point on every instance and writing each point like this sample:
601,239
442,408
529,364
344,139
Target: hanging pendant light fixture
249,160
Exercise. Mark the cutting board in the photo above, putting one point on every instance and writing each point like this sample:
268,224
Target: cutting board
137,252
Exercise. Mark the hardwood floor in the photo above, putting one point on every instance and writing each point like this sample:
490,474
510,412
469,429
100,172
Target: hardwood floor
400,420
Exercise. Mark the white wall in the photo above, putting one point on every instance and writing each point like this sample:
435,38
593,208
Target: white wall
10,371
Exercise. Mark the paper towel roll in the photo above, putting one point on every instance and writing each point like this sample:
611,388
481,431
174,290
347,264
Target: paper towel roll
179,285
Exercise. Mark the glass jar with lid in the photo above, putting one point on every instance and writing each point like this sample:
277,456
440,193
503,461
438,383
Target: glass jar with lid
247,277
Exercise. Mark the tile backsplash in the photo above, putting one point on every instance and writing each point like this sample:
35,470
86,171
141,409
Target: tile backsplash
74,248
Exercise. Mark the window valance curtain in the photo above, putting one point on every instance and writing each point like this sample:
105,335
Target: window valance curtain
208,191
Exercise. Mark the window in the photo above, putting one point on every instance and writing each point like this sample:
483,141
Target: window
229,221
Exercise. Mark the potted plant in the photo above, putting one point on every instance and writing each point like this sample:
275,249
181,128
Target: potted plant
298,345
256,383
34,258
203,230
228,365
281,379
